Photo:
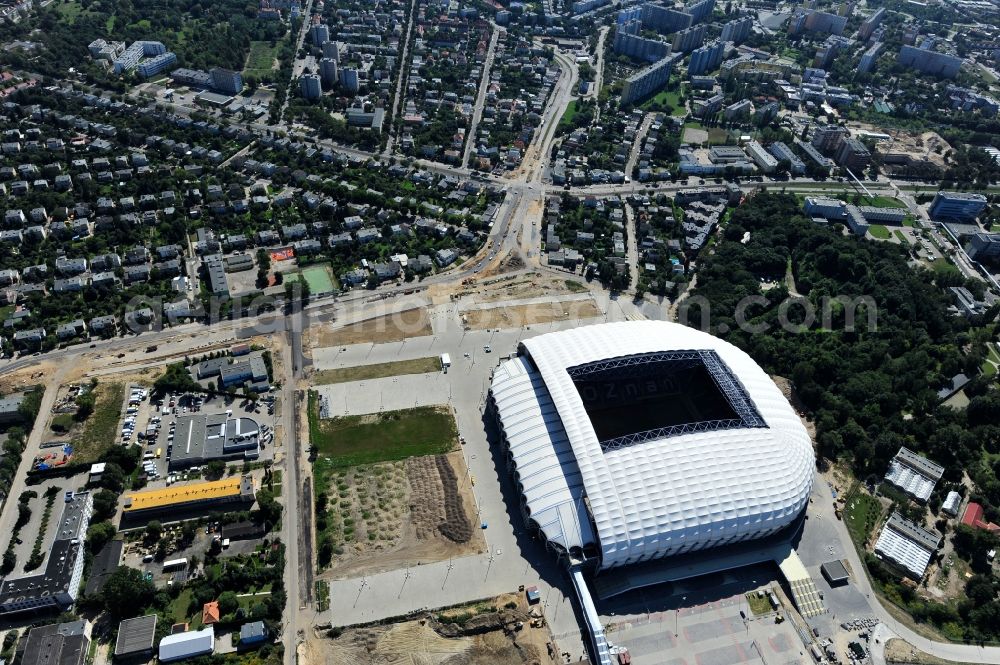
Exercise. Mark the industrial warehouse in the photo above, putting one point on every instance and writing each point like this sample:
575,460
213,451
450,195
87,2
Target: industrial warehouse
637,441
202,438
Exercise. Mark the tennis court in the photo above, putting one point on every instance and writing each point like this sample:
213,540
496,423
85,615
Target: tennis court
318,279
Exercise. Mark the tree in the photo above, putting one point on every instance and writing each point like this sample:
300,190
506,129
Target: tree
154,529
981,589
127,593
85,405
188,532
99,535
113,478
215,469
9,562
228,604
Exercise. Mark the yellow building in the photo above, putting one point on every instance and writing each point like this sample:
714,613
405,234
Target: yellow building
183,497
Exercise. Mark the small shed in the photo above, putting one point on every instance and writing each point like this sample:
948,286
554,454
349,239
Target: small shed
835,572
254,632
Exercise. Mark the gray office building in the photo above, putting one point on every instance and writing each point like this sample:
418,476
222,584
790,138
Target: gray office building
202,438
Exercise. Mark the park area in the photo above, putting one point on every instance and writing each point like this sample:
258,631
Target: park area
862,513
381,437
262,59
696,133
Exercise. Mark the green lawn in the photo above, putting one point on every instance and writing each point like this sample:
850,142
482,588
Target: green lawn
100,431
666,97
569,114
377,371
322,595
991,363
381,437
944,266
68,10
884,202
759,604
862,515
878,231
900,237
575,286
178,606
717,136
261,58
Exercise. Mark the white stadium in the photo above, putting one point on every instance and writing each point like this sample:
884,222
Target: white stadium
641,440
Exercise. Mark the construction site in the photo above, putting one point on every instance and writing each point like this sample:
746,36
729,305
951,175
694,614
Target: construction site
501,631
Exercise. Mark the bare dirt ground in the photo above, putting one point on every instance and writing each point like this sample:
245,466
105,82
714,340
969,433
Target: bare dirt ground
902,652
28,377
927,145
515,316
480,634
785,386
379,330
398,514
528,285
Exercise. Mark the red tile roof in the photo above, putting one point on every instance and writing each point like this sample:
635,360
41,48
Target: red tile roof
210,613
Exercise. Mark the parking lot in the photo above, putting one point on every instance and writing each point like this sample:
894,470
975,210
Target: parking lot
160,427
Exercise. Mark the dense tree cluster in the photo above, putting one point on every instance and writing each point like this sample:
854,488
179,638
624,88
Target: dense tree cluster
869,391
203,35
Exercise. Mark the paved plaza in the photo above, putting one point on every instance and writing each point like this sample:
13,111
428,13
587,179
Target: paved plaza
707,633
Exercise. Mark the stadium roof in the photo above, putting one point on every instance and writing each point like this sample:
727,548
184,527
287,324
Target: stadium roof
663,491
178,494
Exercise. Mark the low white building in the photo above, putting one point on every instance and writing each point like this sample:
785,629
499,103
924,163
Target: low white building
187,645
952,504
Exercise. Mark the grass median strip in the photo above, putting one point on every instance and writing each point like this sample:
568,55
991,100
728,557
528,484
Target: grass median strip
377,371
